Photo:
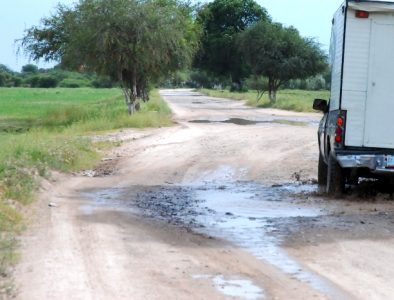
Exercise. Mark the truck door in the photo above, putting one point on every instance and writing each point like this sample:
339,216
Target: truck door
379,113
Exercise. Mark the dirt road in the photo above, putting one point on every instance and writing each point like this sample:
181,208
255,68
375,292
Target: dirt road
221,206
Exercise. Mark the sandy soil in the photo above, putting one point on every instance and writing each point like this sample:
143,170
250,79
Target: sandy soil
140,227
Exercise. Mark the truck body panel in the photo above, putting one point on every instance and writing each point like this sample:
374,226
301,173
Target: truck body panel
362,72
355,135
379,110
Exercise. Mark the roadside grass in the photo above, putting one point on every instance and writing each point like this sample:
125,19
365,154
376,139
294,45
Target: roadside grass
43,130
294,100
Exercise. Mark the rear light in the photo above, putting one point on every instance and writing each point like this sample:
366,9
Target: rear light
339,130
362,14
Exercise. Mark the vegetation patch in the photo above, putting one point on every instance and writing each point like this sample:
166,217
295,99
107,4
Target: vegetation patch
43,130
294,100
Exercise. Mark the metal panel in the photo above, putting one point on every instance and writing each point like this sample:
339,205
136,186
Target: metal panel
379,121
336,52
355,106
373,6
355,76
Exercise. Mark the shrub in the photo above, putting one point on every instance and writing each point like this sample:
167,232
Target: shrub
202,79
47,82
42,81
74,83
102,82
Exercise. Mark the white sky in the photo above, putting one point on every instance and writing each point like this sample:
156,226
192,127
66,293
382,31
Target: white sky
311,17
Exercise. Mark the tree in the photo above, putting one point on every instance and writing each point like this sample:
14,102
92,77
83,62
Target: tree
221,21
3,79
5,69
280,54
133,42
29,69
7,76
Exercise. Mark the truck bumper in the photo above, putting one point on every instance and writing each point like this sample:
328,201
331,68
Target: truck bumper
376,163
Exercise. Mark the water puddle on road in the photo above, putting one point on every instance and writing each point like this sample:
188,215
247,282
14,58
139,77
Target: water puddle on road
243,213
108,198
234,287
245,122
246,216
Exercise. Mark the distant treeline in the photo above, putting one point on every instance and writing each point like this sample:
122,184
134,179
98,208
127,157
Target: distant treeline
202,79
33,77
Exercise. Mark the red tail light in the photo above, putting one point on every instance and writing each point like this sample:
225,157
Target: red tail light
339,131
362,14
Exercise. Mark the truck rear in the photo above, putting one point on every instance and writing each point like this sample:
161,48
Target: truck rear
356,134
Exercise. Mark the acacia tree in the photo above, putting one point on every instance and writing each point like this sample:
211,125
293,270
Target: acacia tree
221,21
132,41
280,54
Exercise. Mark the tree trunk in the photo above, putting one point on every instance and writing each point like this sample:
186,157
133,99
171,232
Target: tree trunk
135,88
272,88
130,108
129,99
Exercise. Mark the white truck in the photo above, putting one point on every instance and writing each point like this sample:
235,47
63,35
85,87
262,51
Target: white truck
356,133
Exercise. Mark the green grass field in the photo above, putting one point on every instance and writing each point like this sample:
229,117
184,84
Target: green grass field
46,129
295,100
23,109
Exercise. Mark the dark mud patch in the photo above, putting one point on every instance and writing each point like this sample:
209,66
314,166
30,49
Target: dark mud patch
107,167
246,122
175,205
304,232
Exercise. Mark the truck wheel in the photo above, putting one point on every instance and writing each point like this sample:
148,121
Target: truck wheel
335,178
322,172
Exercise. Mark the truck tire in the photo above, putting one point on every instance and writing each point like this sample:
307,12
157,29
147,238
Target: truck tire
335,178
322,172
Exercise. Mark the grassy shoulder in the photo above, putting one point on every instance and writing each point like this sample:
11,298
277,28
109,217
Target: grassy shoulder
294,100
43,130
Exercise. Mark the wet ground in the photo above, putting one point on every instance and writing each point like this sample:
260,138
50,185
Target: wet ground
262,219
245,122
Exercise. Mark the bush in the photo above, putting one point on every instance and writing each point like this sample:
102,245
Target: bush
102,82
42,81
2,79
258,83
74,83
29,69
17,81
47,82
316,83
202,79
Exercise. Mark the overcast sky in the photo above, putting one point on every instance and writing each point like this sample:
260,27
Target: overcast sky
311,17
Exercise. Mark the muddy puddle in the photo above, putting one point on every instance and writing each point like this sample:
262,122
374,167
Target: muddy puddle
245,122
246,214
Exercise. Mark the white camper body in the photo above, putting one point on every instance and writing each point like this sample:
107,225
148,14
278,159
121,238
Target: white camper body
362,58
356,134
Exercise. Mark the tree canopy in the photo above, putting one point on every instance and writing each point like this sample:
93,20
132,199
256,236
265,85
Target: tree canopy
221,21
133,42
280,54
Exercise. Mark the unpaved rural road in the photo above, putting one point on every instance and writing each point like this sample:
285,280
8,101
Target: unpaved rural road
221,206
